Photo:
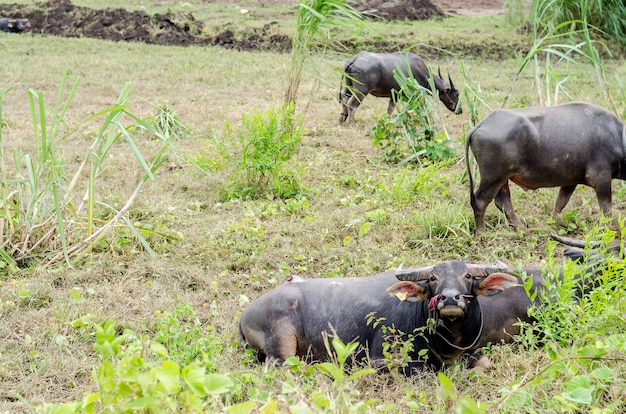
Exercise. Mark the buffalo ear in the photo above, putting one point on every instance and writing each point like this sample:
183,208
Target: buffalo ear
407,291
495,283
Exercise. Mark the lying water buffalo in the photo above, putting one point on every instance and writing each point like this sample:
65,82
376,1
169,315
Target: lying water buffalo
559,146
13,25
372,73
293,318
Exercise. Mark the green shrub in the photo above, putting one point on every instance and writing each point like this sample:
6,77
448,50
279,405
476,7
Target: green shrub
263,145
411,135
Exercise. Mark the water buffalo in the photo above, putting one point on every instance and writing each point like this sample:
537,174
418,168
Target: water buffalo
293,318
13,25
535,147
372,73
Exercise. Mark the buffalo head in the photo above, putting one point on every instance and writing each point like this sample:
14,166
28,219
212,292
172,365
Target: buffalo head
450,286
450,95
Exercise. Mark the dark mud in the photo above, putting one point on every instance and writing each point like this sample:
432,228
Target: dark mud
63,18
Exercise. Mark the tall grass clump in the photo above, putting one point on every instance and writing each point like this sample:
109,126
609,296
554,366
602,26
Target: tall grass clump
260,150
608,16
315,18
49,213
412,135
569,38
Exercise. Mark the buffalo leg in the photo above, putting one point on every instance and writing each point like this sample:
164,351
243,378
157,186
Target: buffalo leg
281,342
603,193
504,204
353,105
485,193
565,193
391,106
344,112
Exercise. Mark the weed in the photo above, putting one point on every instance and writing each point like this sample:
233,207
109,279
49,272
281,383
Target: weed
264,143
411,135
43,217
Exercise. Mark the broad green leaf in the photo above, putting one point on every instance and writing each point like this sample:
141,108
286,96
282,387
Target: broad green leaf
288,387
361,373
168,375
579,395
331,370
300,409
603,374
159,350
364,229
194,378
218,384
242,408
447,387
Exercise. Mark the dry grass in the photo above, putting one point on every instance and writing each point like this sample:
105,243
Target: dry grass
235,250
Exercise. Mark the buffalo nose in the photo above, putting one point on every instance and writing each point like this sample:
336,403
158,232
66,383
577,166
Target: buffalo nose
451,294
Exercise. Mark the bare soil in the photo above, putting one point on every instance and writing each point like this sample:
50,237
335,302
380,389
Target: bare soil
63,18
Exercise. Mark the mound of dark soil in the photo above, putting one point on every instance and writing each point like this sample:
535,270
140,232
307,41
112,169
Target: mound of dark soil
399,9
62,18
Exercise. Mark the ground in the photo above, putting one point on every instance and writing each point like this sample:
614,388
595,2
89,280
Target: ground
62,18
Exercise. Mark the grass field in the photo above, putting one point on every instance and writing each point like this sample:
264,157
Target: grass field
213,256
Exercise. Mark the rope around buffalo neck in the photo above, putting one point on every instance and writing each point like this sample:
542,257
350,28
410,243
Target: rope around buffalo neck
465,348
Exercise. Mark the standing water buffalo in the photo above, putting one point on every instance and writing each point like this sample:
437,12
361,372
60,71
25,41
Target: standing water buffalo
559,146
293,318
372,73
13,25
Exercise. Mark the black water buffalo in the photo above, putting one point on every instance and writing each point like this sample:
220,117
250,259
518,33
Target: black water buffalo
13,25
559,146
293,318
372,73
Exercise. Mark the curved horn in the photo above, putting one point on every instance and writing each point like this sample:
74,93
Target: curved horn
439,72
567,241
484,270
450,80
414,274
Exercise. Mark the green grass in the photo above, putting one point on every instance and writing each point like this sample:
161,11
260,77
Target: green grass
231,252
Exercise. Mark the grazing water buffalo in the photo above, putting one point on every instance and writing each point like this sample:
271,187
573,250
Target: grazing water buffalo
294,318
372,73
559,146
13,25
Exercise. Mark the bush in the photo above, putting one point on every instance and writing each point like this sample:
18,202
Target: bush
411,135
262,146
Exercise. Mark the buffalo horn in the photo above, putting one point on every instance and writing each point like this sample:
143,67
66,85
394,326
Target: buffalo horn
413,274
483,270
567,241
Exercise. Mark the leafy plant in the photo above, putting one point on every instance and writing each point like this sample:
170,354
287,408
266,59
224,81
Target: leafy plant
264,143
411,135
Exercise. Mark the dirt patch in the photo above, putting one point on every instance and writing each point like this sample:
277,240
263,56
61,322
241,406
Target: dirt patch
62,18
399,10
